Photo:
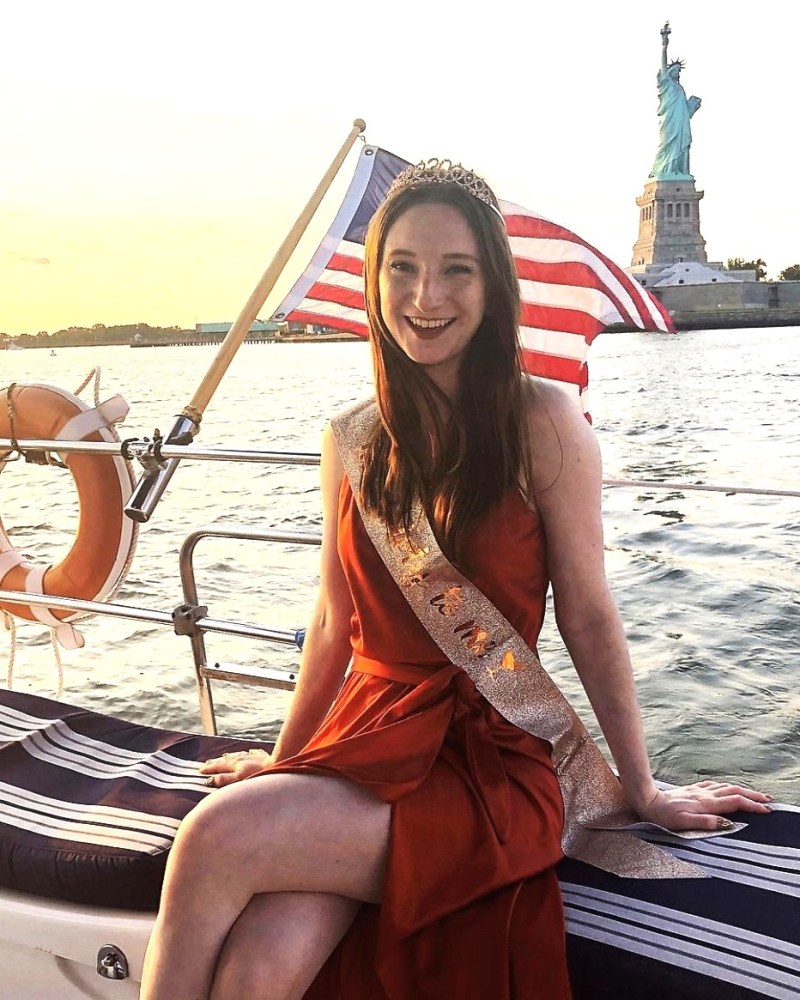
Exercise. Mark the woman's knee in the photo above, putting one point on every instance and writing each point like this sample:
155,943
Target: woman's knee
261,804
290,832
207,825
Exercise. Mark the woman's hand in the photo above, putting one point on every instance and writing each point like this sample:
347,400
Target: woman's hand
235,766
702,806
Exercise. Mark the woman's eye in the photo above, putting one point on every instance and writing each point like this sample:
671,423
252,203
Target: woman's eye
460,269
400,265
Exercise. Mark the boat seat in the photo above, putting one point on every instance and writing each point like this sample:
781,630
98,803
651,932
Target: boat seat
732,936
89,806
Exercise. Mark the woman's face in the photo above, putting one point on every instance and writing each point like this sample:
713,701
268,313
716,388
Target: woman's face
432,288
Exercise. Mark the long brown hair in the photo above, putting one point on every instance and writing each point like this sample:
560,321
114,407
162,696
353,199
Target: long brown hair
462,465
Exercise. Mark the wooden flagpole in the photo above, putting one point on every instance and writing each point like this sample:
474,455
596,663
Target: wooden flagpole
153,481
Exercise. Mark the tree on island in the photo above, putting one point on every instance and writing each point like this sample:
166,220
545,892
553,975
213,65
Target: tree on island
97,335
740,264
791,273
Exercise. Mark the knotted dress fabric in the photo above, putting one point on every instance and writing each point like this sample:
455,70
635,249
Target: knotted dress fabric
471,906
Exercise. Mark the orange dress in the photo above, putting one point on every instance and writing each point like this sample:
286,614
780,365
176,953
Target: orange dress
471,906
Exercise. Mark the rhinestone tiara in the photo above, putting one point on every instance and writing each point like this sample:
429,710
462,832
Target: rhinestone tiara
435,171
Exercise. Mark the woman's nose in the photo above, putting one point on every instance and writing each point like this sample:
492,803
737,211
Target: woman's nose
428,293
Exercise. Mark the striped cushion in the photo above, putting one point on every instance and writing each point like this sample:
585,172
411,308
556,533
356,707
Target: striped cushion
734,935
89,804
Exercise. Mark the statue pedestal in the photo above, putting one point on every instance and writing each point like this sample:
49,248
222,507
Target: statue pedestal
669,224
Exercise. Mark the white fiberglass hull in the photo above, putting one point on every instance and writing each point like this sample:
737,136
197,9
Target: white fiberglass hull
49,949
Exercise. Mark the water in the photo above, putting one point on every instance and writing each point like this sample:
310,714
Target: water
707,583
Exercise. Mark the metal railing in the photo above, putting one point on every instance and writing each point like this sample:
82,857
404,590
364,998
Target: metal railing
191,618
147,452
205,673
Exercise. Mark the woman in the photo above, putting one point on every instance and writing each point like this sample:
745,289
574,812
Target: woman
403,826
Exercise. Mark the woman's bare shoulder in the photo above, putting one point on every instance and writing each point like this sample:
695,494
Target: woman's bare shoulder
559,434
554,414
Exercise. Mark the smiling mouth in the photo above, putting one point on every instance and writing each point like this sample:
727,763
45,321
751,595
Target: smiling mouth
428,326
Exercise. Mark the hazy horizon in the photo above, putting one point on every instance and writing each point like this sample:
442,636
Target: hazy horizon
156,156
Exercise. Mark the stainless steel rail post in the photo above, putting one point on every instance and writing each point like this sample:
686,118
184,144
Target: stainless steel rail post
203,672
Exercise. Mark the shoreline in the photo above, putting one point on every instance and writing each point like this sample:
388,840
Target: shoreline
191,340
684,321
216,339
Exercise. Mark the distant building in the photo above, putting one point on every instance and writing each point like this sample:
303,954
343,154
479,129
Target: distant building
688,273
257,327
270,328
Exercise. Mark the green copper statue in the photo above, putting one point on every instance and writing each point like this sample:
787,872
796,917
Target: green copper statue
674,113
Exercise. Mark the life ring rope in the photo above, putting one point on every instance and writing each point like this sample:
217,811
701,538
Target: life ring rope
10,626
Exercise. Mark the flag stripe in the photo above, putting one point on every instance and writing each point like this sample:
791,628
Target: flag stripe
529,224
326,292
575,276
565,345
347,263
552,317
596,305
342,323
562,369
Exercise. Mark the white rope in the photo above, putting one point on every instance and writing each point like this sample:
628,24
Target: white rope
658,484
11,626
96,373
59,664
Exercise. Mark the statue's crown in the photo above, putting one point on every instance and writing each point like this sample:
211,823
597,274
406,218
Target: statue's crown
436,171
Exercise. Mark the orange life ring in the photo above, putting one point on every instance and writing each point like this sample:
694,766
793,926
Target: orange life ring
98,560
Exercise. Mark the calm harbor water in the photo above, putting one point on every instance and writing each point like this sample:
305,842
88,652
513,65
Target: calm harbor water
708,584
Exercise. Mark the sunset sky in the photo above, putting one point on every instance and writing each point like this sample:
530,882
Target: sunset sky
154,154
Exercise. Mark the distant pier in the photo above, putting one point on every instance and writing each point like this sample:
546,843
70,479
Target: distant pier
205,340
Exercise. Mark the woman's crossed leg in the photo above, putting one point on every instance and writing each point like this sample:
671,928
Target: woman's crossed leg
278,945
319,841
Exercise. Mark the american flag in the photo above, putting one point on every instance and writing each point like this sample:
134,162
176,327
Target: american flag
570,291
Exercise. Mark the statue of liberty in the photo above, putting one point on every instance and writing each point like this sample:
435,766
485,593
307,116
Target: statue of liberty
674,112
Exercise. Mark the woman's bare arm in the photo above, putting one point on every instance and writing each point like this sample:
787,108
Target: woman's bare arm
326,649
567,492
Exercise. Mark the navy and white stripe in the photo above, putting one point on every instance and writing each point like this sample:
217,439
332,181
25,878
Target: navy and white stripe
53,742
768,965
735,934
90,805
101,826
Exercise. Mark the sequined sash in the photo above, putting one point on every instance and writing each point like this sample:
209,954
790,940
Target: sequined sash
475,636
